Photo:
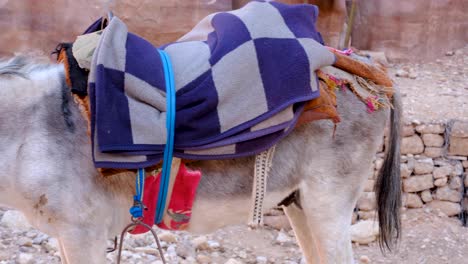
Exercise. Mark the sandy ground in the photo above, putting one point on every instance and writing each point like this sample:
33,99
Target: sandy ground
433,91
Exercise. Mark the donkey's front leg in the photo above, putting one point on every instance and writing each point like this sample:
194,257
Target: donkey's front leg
82,245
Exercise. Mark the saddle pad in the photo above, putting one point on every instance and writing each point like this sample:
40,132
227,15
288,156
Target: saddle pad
242,79
178,210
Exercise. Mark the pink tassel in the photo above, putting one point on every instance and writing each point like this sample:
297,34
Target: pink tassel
370,105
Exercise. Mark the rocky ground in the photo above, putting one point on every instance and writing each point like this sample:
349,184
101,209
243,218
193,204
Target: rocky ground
432,91
428,237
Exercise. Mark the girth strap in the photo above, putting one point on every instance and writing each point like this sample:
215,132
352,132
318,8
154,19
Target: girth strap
263,163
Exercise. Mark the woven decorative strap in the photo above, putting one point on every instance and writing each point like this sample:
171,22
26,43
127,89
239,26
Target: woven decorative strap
263,162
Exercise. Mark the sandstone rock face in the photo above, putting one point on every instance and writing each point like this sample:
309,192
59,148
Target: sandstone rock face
412,145
408,30
29,25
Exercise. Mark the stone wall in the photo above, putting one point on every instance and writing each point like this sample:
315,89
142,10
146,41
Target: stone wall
434,169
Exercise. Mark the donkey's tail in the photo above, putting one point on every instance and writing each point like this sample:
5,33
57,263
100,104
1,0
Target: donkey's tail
388,185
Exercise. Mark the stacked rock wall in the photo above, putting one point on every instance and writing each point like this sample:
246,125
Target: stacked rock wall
434,169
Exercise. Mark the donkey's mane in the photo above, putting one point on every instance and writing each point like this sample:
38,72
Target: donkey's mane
22,66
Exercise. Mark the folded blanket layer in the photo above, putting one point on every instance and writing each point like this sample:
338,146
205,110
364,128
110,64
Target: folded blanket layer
242,78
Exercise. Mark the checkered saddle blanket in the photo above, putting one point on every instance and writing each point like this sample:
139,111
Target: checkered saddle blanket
242,79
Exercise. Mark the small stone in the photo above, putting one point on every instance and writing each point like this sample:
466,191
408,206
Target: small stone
411,161
407,131
426,196
423,166
242,254
446,194
200,243
450,53
364,232
147,250
412,200
413,75
448,208
401,73
261,260
367,201
24,241
15,220
441,182
461,158
405,172
364,259
167,237
378,163
457,170
25,258
433,140
278,222
431,128
418,183
39,239
171,252
32,234
203,259
441,172
185,249
232,261
465,164
456,183
412,145
51,245
367,215
213,245
441,162
283,239
433,152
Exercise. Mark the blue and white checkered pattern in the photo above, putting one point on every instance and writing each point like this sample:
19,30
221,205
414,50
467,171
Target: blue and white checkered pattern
241,78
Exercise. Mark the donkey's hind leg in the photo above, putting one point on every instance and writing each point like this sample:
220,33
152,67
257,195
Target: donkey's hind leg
328,211
304,237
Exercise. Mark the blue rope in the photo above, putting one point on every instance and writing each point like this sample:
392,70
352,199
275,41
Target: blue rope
170,126
137,209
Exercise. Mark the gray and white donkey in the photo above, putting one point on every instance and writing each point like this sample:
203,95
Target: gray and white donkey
47,172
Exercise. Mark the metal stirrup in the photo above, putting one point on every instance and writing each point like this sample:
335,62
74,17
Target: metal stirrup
137,222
